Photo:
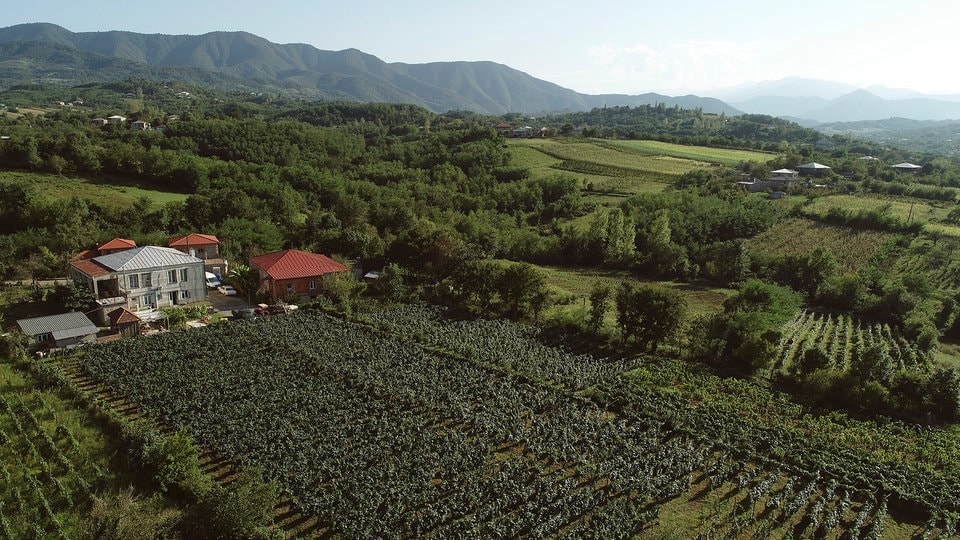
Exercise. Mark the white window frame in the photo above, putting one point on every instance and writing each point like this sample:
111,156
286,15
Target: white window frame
184,276
171,276
133,281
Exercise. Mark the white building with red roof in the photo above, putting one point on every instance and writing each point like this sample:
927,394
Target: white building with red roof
142,278
291,272
205,247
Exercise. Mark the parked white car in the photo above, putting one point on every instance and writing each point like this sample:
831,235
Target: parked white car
227,290
212,281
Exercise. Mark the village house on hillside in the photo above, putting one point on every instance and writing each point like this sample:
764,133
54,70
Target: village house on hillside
292,272
58,331
202,246
812,169
141,278
908,168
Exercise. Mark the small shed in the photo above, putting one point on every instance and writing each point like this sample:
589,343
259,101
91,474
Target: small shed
125,322
59,331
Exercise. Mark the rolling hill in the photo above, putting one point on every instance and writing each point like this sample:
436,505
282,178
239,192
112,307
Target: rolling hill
42,52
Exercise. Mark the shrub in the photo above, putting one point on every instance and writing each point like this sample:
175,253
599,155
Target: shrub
126,516
175,316
175,465
243,509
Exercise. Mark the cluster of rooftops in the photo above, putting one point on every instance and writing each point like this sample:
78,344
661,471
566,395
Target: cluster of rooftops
131,282
786,177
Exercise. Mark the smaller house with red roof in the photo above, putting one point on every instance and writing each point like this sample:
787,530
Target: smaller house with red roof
125,322
202,246
291,272
113,246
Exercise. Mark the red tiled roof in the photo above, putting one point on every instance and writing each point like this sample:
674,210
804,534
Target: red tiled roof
122,316
193,239
90,268
111,245
293,264
85,254
118,243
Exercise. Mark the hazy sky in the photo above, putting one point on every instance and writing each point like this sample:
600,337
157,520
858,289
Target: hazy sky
598,46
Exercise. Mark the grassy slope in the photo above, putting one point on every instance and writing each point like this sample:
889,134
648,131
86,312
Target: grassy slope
104,191
612,170
572,286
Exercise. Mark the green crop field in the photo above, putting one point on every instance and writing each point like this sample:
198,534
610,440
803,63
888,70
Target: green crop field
905,210
595,157
54,458
842,338
729,157
853,248
410,424
108,192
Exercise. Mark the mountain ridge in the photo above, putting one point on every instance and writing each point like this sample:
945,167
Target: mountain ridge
246,60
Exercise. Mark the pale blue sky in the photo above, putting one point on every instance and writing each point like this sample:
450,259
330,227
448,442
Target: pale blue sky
598,46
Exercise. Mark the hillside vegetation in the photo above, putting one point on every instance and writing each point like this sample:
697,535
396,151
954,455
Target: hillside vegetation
597,332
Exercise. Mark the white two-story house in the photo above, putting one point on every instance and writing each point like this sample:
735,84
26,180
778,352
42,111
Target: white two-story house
142,278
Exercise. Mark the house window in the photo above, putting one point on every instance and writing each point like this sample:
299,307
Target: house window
183,274
148,300
184,295
43,337
171,276
146,280
313,284
290,289
133,281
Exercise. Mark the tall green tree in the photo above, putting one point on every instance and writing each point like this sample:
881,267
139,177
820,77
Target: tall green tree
649,315
600,295
523,290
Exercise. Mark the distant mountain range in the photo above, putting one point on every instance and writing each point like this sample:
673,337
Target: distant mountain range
47,53
811,101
